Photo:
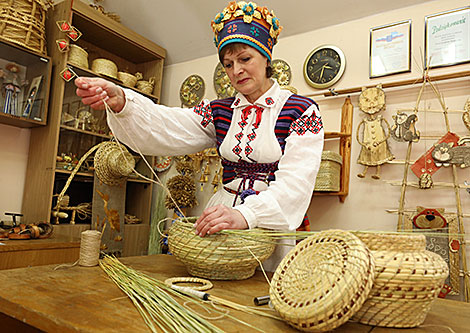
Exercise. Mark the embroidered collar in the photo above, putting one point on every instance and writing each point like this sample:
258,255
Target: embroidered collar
267,100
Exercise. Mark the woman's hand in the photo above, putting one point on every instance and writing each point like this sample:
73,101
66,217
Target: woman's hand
217,218
94,91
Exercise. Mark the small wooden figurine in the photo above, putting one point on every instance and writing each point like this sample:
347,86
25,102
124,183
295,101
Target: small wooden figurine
375,150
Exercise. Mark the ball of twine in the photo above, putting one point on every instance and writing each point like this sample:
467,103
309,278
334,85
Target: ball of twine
113,163
90,248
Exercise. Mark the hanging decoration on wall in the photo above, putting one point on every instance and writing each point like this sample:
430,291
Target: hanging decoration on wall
63,26
447,153
162,163
281,72
403,130
203,162
181,186
375,150
63,45
68,74
192,91
74,34
466,114
223,87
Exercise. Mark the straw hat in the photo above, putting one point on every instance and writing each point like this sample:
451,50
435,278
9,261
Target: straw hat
113,163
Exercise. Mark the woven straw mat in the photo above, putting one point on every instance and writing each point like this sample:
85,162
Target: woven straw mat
218,256
323,281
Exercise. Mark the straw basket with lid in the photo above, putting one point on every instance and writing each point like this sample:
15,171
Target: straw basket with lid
105,67
113,163
408,279
323,281
23,22
219,256
78,56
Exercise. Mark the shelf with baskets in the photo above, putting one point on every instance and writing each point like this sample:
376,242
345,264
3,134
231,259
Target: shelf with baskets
25,79
339,175
74,128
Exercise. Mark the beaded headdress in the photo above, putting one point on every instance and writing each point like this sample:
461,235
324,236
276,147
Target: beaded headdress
245,22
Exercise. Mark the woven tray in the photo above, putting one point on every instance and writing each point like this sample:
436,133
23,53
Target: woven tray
407,280
218,256
329,174
323,281
23,22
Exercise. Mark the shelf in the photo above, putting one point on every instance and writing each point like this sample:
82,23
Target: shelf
333,135
73,129
90,175
18,121
116,81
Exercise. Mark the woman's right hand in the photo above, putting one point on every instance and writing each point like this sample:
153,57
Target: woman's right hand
93,91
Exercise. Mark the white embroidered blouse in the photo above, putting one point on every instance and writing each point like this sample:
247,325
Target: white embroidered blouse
160,130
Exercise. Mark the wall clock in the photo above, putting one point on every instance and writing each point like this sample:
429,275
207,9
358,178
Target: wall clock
324,66
372,100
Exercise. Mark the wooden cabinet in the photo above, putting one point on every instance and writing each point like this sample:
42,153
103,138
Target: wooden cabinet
344,137
101,38
25,82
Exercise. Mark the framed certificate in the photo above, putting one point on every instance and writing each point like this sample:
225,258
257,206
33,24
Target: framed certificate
447,38
390,49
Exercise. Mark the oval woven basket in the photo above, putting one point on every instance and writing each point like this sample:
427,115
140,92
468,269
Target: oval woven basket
146,86
218,256
105,67
78,56
23,22
323,281
127,79
408,279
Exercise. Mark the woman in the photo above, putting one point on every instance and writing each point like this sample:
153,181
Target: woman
270,140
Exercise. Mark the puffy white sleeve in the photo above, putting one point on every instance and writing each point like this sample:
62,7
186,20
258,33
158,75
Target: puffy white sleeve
159,130
282,206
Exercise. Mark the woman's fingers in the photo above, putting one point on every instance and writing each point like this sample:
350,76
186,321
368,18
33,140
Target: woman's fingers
217,218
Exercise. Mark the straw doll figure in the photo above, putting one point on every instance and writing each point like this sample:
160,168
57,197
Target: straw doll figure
375,150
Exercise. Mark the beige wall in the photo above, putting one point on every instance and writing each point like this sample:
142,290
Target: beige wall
365,207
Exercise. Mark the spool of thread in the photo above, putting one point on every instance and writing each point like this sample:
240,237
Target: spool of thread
90,248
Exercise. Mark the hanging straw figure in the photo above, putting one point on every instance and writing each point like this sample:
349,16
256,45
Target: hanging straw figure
375,150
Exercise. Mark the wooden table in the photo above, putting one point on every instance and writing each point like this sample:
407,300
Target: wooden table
83,299
34,252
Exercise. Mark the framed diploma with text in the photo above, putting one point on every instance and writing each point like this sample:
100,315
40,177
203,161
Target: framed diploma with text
390,49
447,38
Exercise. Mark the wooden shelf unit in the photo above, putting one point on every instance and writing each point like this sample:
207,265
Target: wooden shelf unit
102,38
345,137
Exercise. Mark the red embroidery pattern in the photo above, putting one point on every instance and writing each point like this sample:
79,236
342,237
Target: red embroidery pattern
252,135
242,123
269,101
205,112
306,124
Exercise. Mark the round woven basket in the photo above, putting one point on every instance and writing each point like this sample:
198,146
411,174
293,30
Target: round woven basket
78,56
113,166
23,22
127,79
323,281
105,67
408,279
146,86
218,256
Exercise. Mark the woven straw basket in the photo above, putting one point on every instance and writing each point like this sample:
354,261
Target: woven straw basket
105,67
329,175
146,86
127,79
407,280
218,256
78,56
113,164
323,281
23,22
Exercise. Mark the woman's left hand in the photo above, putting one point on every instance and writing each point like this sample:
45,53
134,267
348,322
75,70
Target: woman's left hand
217,218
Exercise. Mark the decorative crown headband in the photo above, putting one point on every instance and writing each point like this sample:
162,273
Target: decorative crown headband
246,23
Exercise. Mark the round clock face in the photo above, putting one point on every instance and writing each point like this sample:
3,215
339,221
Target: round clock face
372,100
324,66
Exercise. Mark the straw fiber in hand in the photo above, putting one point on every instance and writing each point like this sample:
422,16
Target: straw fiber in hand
323,281
218,256
407,280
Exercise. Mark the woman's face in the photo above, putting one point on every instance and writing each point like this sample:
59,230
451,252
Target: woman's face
246,68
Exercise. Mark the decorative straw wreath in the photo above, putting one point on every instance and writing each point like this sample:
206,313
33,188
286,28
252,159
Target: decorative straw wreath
219,256
407,281
323,281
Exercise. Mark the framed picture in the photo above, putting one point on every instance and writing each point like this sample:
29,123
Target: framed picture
390,49
31,96
447,38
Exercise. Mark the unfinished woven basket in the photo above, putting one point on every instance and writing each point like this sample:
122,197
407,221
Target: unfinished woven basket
323,281
113,164
408,279
23,22
218,256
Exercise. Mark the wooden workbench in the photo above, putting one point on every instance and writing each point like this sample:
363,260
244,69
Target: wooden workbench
33,252
83,299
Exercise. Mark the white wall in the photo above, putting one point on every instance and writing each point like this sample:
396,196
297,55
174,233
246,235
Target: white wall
365,207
